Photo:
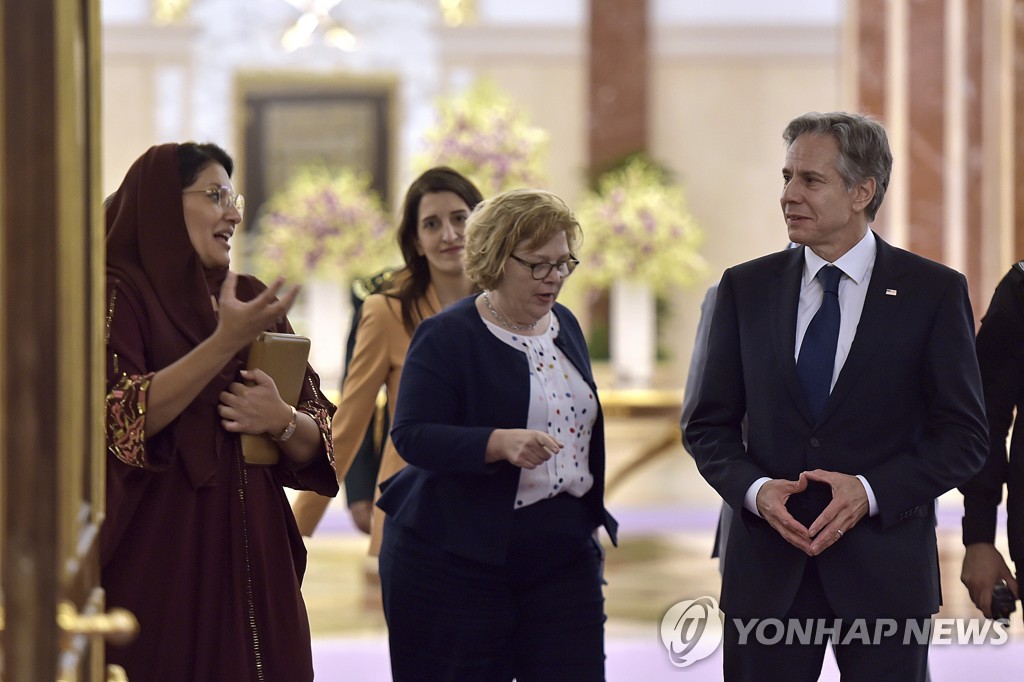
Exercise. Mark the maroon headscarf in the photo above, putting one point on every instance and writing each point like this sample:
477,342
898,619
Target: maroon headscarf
149,250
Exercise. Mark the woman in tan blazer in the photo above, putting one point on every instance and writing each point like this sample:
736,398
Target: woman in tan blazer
431,238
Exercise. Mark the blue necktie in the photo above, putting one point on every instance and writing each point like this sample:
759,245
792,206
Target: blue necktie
818,350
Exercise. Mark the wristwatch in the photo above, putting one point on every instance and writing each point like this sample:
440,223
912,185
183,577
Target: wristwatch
288,430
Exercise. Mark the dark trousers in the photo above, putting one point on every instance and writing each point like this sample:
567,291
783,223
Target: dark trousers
861,655
538,617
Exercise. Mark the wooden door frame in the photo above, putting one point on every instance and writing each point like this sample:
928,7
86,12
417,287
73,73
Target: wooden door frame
51,355
29,309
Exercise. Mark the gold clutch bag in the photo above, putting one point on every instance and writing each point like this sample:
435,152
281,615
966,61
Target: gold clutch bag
283,357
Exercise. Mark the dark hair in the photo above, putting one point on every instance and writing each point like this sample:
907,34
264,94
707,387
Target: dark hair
438,179
863,148
194,157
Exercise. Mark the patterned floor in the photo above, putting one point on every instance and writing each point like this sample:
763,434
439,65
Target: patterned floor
667,515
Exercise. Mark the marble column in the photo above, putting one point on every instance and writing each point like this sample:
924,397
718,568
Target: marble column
618,81
924,150
947,78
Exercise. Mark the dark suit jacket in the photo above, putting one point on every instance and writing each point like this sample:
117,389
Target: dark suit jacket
906,412
1001,358
698,362
460,383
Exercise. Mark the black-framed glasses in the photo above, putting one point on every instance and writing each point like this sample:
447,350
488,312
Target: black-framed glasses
542,270
223,195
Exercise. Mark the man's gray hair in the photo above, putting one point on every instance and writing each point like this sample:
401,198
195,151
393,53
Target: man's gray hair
863,148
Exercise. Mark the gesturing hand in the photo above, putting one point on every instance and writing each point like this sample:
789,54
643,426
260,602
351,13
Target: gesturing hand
771,505
241,321
254,409
848,506
524,448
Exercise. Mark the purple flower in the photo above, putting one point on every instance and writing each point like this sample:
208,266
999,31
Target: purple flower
648,220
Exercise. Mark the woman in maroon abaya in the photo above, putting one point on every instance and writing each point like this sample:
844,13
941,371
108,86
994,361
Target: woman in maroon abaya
200,546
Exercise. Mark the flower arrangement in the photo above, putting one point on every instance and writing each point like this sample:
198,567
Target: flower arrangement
637,227
483,135
324,224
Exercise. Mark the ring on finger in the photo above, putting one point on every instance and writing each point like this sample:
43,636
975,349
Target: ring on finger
839,533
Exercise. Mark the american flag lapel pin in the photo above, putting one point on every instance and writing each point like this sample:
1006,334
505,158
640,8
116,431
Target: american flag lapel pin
890,292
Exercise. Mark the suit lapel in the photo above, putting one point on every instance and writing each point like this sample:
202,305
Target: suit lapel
876,322
783,299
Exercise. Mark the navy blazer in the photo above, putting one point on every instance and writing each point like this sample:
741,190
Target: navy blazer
459,384
906,412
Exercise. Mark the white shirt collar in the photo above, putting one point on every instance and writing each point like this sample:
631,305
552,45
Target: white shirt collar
855,263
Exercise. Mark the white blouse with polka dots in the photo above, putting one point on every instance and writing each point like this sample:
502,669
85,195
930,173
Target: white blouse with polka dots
562,405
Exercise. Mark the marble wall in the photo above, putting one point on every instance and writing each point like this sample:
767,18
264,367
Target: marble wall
946,79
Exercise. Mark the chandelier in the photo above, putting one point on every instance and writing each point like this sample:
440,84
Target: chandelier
316,19
458,12
316,16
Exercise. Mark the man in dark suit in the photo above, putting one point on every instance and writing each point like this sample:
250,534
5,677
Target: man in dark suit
863,402
1001,358
698,362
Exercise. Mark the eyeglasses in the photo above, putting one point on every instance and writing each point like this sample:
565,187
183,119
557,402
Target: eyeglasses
222,195
542,270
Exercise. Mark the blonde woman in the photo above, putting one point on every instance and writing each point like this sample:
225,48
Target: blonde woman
490,568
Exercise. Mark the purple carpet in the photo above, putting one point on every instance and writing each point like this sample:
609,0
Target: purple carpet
629,660
633,520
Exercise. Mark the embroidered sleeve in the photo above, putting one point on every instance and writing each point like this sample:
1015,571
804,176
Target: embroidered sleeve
323,422
126,419
320,474
320,410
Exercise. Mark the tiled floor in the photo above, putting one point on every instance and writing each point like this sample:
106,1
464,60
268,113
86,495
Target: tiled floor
667,515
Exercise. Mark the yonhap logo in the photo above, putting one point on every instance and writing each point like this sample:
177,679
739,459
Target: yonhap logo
691,630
